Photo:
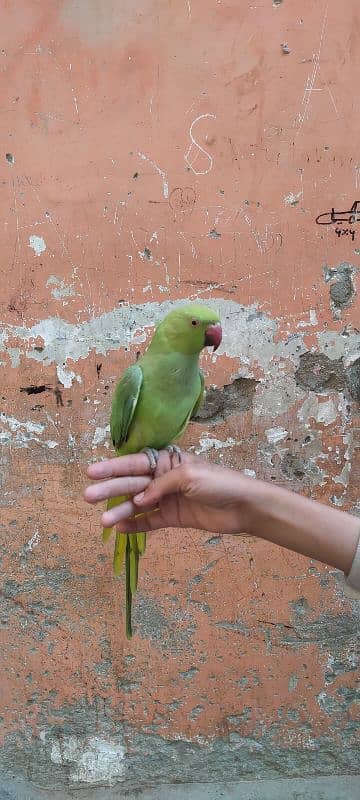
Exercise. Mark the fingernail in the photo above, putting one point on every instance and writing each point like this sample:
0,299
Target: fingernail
138,497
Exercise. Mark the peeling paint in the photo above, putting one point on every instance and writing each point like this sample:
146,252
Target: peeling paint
312,321
15,425
118,328
293,682
246,331
323,412
37,244
67,376
250,473
61,290
101,436
326,412
33,542
20,434
344,476
275,435
207,442
292,199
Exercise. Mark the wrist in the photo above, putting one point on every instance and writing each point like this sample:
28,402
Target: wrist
247,499
255,503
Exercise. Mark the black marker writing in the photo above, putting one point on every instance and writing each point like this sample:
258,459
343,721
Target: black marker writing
345,232
337,217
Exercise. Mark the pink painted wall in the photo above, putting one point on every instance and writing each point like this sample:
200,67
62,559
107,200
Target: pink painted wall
155,151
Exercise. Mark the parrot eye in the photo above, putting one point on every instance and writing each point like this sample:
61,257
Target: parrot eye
194,322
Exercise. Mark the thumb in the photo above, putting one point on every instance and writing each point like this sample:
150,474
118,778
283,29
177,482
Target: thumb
169,483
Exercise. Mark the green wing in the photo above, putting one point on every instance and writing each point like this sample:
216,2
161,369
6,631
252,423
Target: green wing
196,405
124,404
200,398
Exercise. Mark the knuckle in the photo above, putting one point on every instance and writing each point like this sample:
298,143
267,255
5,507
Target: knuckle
164,464
188,473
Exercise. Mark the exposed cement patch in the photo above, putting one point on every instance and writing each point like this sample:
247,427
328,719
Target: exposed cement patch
327,630
341,291
92,760
246,331
353,379
249,334
318,372
341,284
276,394
345,345
344,787
296,467
233,398
150,759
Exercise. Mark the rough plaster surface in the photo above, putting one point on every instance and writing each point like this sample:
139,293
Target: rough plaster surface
121,197
334,788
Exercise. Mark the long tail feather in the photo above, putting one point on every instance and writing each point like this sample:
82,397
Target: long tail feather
128,591
134,563
128,548
141,543
119,552
106,534
113,501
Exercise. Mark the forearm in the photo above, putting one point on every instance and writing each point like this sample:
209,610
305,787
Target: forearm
304,526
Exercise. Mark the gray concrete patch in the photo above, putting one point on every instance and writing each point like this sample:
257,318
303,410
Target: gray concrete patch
342,787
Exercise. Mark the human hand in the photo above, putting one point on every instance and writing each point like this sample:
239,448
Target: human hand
198,494
194,494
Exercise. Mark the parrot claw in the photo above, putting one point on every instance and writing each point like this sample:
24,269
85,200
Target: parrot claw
173,450
152,455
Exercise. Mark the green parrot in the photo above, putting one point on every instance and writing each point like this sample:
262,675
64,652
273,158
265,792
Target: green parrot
152,405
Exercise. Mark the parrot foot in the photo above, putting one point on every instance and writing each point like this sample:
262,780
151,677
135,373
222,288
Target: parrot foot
152,455
173,450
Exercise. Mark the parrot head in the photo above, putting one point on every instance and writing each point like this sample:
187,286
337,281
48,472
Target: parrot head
188,329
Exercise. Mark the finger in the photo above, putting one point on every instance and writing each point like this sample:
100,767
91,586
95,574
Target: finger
150,521
114,515
165,463
136,464
115,487
119,513
169,483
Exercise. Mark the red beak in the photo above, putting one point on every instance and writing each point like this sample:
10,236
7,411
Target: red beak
213,336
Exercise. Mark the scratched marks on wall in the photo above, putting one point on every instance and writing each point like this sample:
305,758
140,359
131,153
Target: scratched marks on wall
198,159
159,171
316,82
